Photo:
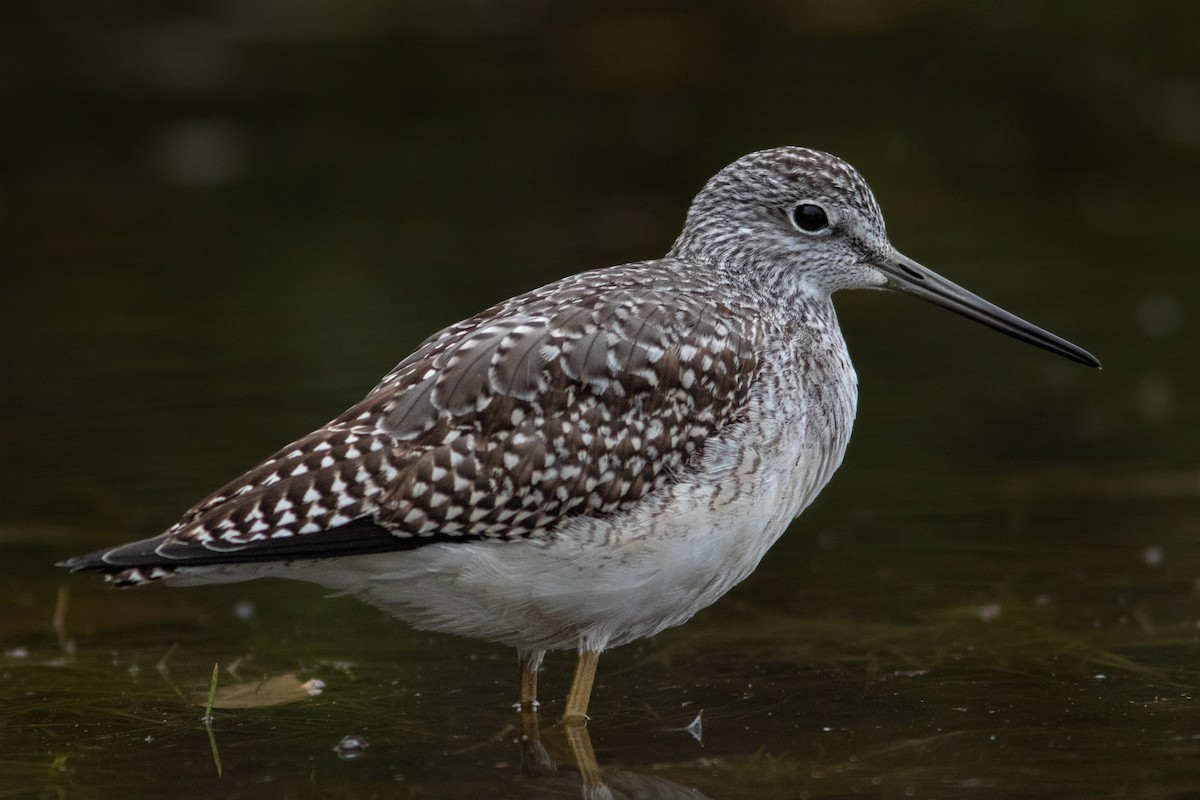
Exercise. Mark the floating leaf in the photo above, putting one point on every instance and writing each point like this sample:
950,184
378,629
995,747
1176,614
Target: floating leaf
270,692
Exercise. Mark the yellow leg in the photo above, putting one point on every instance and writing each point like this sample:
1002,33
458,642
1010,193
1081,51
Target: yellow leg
581,688
529,663
535,760
585,759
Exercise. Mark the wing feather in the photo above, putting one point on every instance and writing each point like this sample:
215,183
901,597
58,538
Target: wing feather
580,398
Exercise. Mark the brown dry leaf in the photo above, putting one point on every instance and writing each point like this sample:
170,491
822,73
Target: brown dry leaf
270,692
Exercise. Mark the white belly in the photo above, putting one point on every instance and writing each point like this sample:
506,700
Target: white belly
601,582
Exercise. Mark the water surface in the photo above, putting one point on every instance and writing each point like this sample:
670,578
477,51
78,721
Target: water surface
222,224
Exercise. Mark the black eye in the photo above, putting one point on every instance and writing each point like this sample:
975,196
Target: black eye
810,218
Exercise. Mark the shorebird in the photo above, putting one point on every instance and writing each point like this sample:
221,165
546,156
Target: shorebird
594,461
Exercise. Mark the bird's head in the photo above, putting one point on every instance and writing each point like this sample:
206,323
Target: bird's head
806,220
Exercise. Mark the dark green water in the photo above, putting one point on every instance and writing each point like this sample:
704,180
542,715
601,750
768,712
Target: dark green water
220,224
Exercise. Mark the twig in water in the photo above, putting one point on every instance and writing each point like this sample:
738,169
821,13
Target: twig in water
59,620
208,719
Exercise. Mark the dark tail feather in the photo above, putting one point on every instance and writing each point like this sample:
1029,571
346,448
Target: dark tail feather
159,556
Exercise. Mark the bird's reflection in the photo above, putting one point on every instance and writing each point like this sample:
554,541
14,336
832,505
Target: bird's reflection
595,783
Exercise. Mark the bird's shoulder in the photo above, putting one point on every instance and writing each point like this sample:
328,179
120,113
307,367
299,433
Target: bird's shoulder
578,398
625,335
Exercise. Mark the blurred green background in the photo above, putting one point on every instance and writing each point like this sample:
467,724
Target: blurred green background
222,222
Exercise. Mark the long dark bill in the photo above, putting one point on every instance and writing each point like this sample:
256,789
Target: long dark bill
906,275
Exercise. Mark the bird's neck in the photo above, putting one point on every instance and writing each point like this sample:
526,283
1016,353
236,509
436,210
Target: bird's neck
783,293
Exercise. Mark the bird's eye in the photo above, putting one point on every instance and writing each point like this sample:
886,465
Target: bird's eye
810,218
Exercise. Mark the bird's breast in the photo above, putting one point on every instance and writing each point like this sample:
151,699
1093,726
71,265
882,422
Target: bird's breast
802,410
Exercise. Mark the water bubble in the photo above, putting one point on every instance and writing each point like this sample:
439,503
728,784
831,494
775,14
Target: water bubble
351,747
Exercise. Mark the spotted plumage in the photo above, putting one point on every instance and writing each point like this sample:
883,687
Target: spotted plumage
578,399
595,460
